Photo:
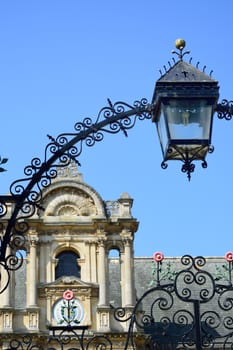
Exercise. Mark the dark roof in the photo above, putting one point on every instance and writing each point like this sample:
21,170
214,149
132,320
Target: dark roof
183,72
142,277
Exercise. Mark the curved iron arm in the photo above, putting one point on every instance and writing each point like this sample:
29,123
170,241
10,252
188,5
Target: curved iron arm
26,193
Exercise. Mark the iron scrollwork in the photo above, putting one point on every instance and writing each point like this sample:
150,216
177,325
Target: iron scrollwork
188,166
24,342
188,308
70,338
75,338
193,311
225,109
26,193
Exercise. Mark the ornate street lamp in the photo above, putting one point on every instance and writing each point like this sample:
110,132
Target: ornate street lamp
185,100
183,104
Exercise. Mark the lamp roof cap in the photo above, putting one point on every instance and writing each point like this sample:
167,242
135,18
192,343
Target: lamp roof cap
183,72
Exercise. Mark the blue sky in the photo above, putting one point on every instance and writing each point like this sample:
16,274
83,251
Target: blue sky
60,61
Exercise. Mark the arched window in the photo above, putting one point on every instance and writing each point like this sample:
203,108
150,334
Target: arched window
114,277
67,264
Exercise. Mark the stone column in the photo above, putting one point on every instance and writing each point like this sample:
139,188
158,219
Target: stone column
127,282
54,263
48,264
32,273
88,260
102,274
5,299
42,265
93,266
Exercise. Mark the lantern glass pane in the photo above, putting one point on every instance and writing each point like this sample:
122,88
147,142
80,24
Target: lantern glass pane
162,132
188,119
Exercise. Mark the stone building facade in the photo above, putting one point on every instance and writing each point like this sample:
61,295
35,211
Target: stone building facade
68,246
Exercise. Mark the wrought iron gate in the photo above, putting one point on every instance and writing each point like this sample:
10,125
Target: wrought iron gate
194,310
189,308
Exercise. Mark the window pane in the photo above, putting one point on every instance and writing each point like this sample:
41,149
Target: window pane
67,265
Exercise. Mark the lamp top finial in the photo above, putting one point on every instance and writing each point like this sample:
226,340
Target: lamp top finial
180,44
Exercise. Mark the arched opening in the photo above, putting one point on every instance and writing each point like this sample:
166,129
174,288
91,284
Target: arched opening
114,277
67,264
19,279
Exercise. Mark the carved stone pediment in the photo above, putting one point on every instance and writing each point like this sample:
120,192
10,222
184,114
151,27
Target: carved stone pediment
69,280
75,281
81,288
68,201
70,197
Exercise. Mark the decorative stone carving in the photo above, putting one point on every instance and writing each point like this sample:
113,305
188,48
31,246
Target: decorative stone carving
68,280
69,196
70,202
104,320
7,321
33,320
69,171
67,210
112,208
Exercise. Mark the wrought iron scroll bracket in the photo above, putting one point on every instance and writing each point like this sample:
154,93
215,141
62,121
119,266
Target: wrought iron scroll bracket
26,193
224,109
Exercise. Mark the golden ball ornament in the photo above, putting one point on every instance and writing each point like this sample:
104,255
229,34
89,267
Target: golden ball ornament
180,44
